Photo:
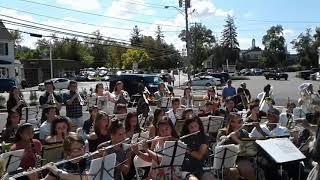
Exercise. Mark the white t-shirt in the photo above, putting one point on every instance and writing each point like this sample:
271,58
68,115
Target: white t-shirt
44,130
170,114
278,131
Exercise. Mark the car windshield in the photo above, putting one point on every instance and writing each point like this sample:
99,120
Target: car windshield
153,79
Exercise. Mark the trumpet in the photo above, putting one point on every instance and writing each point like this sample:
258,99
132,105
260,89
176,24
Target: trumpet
53,99
81,101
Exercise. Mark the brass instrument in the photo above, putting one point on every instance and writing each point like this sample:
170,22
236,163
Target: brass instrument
53,99
81,101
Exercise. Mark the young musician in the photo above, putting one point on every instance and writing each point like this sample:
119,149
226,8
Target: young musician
253,116
172,112
187,114
208,110
144,118
74,103
197,148
267,92
12,125
120,95
32,147
287,117
88,124
246,91
228,91
158,114
187,99
50,97
271,128
73,146
239,100
124,155
232,134
212,96
15,102
60,128
229,108
101,132
106,95
45,128
162,92
131,124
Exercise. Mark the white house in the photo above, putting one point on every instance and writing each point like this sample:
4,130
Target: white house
9,67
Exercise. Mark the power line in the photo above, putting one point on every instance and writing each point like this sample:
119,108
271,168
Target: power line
151,5
94,14
72,21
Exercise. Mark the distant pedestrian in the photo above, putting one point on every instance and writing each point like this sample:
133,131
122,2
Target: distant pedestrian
228,91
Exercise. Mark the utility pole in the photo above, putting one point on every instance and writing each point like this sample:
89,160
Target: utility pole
186,6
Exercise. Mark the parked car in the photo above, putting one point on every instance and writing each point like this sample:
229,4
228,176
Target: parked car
204,81
59,83
6,85
315,76
306,74
131,82
276,75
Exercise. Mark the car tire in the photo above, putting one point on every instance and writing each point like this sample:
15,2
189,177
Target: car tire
267,78
274,78
286,78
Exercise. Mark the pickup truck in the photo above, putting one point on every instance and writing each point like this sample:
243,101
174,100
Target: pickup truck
276,75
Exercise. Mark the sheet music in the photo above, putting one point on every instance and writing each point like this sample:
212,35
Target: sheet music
31,115
166,102
211,124
107,170
168,153
139,136
225,156
15,159
281,149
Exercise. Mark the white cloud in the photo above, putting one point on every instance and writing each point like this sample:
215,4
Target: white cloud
244,42
83,5
207,8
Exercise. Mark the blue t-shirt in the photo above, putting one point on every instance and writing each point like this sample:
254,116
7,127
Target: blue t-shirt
228,92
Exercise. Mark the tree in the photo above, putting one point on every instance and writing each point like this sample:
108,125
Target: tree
134,55
115,52
159,35
85,57
202,42
274,43
229,40
303,45
16,35
136,37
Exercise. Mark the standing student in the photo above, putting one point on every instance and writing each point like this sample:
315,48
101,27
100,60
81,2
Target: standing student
50,97
173,111
120,95
228,91
103,97
16,101
72,100
45,128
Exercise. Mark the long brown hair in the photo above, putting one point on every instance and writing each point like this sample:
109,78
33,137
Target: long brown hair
127,122
229,129
166,120
98,120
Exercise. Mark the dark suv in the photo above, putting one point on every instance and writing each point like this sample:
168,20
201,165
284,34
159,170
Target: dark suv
276,75
6,85
131,82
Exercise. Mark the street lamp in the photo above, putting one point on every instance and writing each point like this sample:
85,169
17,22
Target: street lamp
50,51
319,57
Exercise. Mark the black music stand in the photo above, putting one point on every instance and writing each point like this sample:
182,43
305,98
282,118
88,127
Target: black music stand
212,124
165,102
31,113
134,101
103,168
12,160
172,154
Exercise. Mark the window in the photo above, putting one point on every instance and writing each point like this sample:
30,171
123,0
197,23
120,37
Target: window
4,51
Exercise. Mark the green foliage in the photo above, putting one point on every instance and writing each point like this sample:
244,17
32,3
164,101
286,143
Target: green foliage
16,35
229,40
136,37
134,55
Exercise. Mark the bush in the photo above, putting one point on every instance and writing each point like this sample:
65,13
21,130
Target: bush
239,78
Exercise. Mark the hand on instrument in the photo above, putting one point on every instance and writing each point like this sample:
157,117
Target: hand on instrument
53,168
33,176
135,148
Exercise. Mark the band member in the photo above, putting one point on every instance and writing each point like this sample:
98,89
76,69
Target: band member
131,124
12,125
121,111
144,118
73,146
74,103
16,101
49,112
232,134
32,147
212,97
88,124
197,148
104,97
271,128
123,152
229,107
172,113
246,92
158,114
207,111
239,100
228,91
187,114
267,93
50,97
101,132
162,92
187,99
60,128
120,95
253,116
287,117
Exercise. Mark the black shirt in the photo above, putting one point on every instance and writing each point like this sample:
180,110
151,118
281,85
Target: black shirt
44,98
87,125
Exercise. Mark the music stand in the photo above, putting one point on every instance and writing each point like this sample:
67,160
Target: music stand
12,160
31,115
134,101
139,136
299,113
52,153
103,168
225,156
166,102
212,124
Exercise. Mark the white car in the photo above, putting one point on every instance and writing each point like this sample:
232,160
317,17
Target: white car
59,83
204,81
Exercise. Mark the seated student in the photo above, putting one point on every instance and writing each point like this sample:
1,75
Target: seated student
172,112
121,111
271,128
162,92
12,125
229,108
232,134
252,117
158,114
73,146
187,99
239,100
60,128
208,110
287,117
197,148
187,114
212,96
131,124
165,129
32,147
50,112
101,131
144,119
123,152
88,124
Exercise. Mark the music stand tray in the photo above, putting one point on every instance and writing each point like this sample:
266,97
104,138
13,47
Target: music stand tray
281,150
103,168
12,159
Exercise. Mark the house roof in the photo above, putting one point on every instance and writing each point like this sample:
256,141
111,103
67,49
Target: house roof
4,33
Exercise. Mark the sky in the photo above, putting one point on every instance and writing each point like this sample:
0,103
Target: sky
116,18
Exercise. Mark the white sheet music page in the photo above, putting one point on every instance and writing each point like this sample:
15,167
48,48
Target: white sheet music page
281,149
108,169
